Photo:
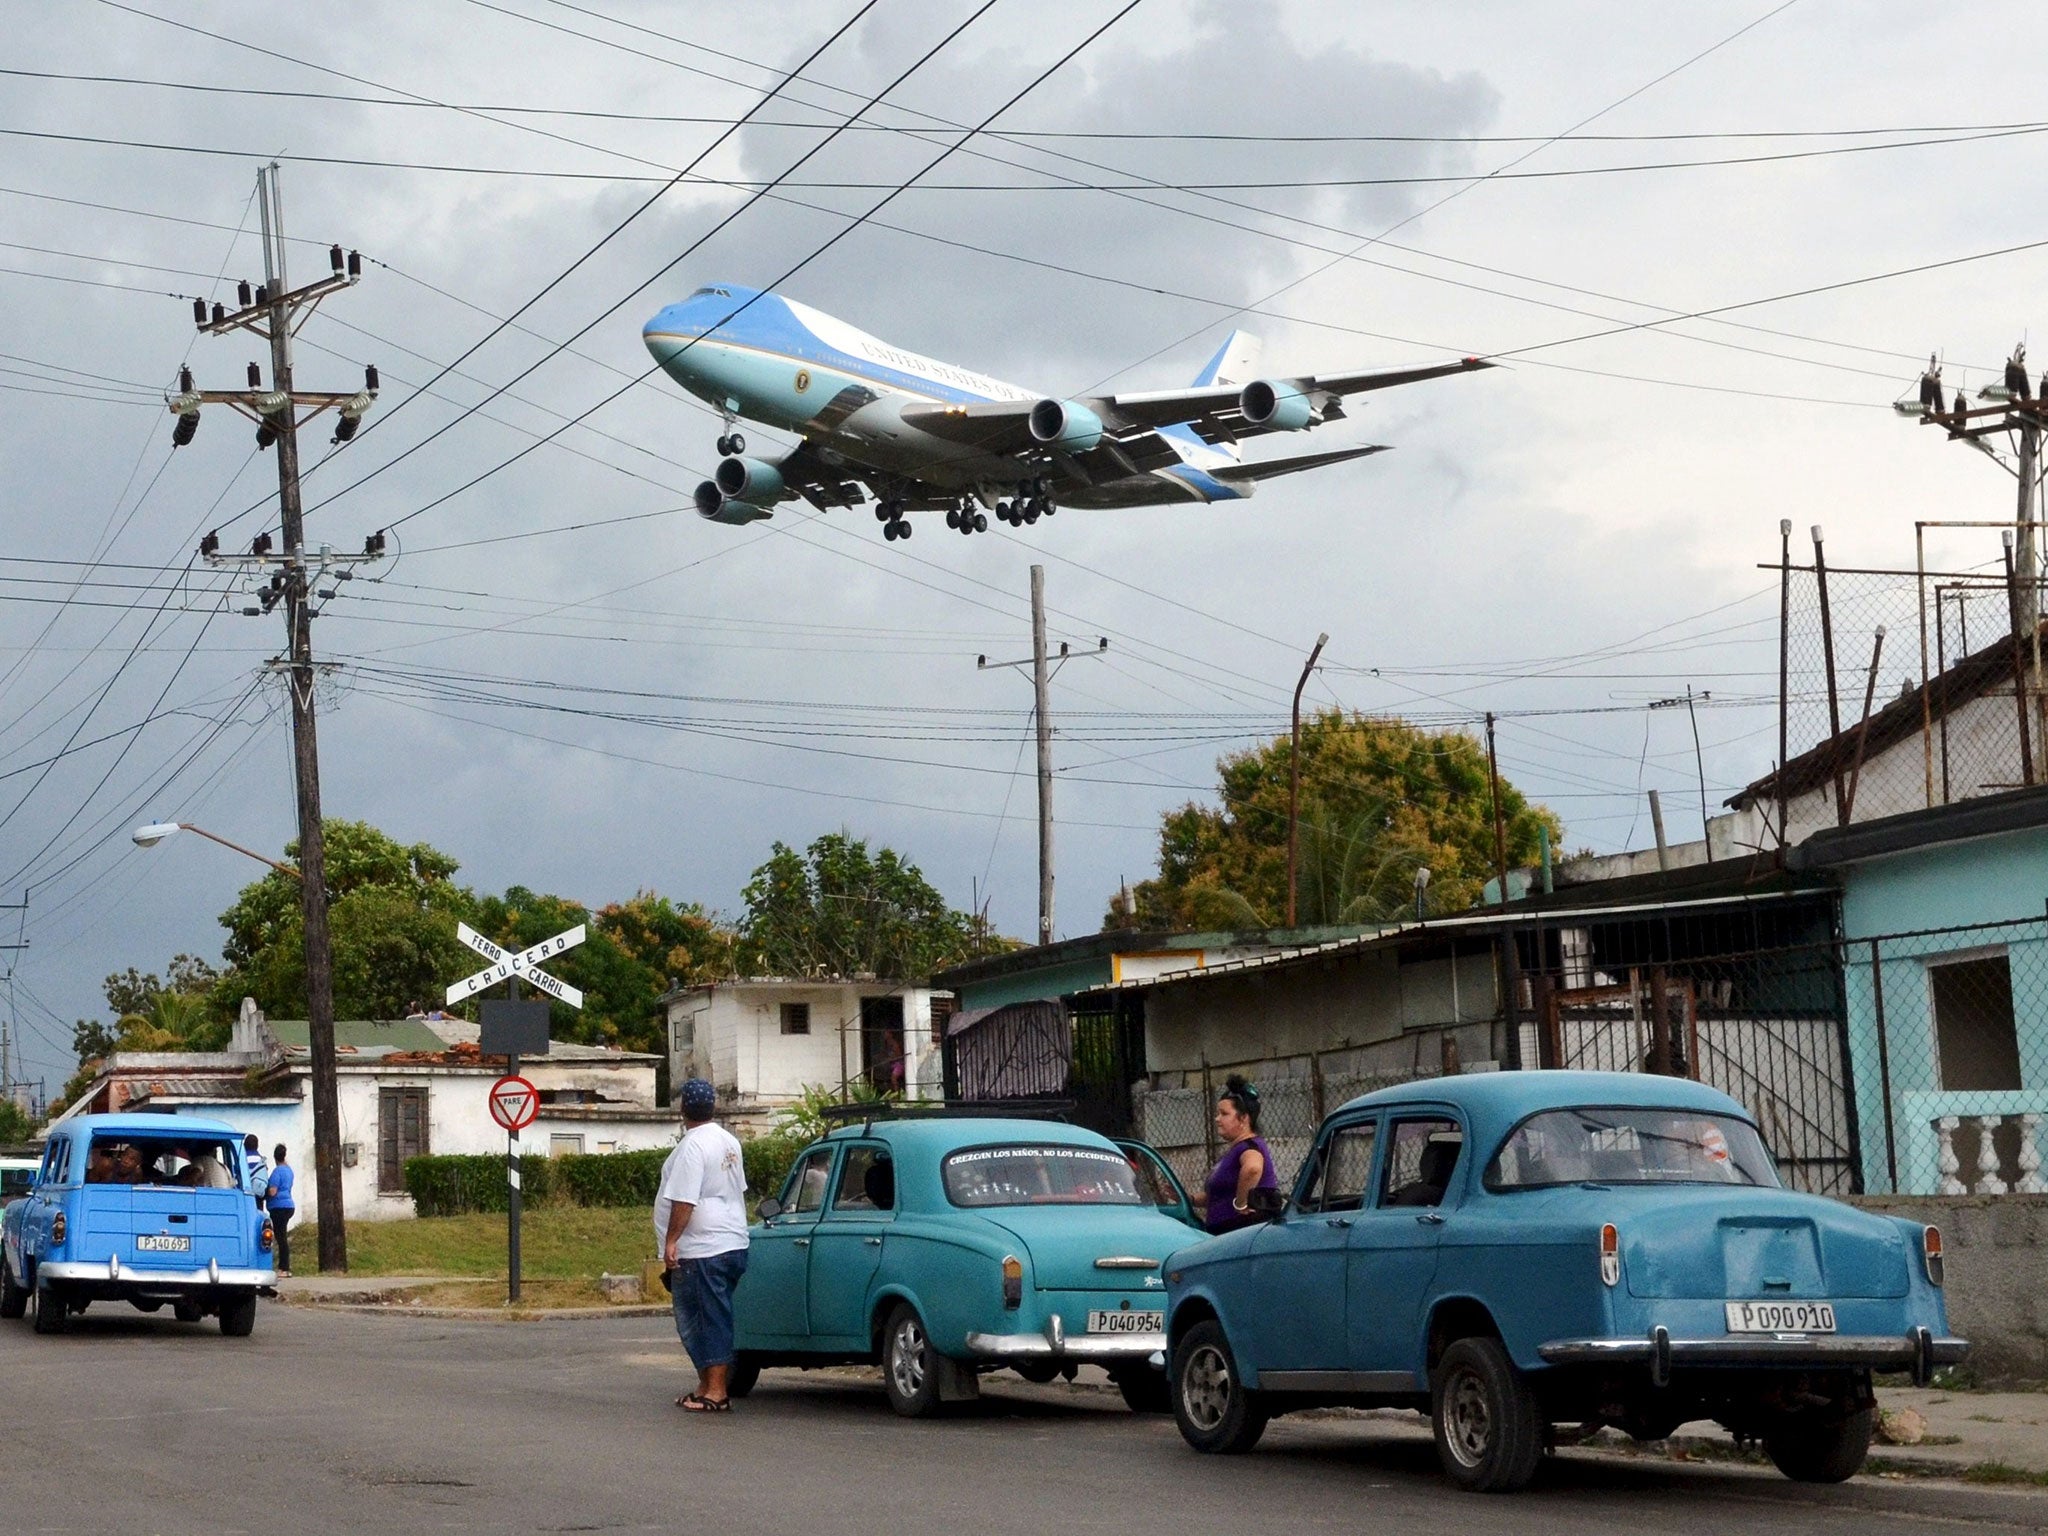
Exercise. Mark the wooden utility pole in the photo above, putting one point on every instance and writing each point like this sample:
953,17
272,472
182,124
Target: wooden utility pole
1043,665
1294,774
1500,835
274,312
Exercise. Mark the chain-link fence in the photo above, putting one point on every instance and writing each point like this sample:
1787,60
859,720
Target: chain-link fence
1950,1033
1873,727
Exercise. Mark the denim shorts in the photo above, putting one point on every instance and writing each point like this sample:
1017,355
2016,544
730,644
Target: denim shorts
701,1296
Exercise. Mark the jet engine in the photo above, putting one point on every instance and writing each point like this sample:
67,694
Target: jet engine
1063,424
714,504
1278,405
749,480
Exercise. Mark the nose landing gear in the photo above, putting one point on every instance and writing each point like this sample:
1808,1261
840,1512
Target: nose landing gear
730,444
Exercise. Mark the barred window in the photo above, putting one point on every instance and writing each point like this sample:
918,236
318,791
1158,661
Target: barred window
796,1018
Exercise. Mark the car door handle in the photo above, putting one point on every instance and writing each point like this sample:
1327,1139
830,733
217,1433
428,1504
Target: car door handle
1430,1219
1338,1221
872,1242
802,1242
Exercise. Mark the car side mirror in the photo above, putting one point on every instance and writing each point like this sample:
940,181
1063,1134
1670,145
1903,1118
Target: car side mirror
1267,1204
770,1208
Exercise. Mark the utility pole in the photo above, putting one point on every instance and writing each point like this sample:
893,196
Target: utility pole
1500,834
274,312
1699,761
1041,709
1294,773
7,1024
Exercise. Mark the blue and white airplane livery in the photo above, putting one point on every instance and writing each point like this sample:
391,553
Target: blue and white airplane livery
919,434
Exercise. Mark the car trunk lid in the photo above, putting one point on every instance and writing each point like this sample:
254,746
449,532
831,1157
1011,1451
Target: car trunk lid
1114,1249
1756,1244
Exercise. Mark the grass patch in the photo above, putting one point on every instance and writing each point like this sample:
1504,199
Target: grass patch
544,1294
555,1243
2004,1472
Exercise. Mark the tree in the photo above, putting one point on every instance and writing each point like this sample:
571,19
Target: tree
16,1126
392,914
837,910
1379,799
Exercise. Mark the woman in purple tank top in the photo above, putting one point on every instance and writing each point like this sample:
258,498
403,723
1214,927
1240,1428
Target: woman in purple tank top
1246,1163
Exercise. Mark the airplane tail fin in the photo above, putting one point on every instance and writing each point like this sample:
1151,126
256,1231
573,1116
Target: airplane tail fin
1235,362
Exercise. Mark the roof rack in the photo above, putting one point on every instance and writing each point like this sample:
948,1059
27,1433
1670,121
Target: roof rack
871,1110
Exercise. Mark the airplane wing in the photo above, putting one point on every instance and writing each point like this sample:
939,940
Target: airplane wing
805,473
1215,412
1273,469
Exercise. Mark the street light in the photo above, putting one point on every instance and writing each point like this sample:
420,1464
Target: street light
149,835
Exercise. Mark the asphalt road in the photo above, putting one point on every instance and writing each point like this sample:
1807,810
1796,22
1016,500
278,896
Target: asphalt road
338,1422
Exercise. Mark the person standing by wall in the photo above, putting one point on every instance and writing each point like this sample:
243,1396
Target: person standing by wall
700,1219
278,1200
258,1166
1246,1163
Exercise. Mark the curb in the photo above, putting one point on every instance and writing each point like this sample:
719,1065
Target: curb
399,1308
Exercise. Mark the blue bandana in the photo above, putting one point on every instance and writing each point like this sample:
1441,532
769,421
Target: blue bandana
699,1097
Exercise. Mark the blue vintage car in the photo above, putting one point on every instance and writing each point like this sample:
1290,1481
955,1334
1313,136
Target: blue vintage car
943,1247
152,1210
1511,1251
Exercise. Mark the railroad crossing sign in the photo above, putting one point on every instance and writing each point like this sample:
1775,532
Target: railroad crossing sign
514,1103
525,965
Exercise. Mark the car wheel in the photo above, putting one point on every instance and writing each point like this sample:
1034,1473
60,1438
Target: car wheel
1809,1449
238,1317
50,1308
1489,1430
1145,1390
1209,1400
13,1298
744,1374
187,1311
909,1365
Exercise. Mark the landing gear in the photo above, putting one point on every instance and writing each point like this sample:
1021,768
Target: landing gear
896,529
889,513
1030,505
730,444
967,518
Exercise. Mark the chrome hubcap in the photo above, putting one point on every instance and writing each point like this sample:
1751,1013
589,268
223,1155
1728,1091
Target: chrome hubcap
906,1358
1468,1419
1205,1387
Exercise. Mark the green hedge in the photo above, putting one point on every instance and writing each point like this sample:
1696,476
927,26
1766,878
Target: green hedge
453,1186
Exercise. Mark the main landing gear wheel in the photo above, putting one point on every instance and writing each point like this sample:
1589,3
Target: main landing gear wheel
952,517
980,522
896,529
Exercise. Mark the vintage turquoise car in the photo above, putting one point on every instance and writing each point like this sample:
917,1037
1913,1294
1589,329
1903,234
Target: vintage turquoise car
147,1209
1512,1251
942,1247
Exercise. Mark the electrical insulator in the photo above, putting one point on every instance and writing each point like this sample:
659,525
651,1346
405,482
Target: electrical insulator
260,545
334,259
199,311
186,428
370,378
266,434
255,377
374,544
262,293
210,545
184,381
345,428
242,294
219,314
355,263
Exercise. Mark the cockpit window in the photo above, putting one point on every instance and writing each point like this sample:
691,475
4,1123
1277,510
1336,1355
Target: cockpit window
722,293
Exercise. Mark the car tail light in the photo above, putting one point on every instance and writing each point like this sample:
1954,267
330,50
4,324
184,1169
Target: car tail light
1013,1281
1930,1253
1610,1254
266,1239
57,1228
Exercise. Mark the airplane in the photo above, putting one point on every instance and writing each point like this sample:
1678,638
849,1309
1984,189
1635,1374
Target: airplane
922,435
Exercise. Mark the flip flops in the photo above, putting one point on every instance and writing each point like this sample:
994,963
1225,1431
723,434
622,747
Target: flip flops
692,1402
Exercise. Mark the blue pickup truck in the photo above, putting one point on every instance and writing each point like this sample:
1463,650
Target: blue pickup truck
153,1210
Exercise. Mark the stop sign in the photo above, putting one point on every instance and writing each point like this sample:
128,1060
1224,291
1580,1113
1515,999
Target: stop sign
514,1102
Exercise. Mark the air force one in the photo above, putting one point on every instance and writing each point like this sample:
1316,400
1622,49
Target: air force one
921,435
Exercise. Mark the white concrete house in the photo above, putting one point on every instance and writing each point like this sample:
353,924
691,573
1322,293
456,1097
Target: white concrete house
761,1041
405,1088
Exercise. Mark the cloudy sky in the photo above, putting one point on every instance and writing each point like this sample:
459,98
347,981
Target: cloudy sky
1562,540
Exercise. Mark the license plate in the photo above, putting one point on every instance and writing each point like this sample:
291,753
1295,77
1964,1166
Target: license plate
152,1243
1781,1317
1104,1321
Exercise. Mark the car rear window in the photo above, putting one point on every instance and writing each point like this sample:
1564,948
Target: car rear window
1630,1146
201,1162
1040,1175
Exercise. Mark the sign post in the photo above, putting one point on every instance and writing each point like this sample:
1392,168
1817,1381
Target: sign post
511,1028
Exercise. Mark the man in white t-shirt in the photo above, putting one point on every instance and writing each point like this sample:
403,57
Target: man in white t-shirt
700,1219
